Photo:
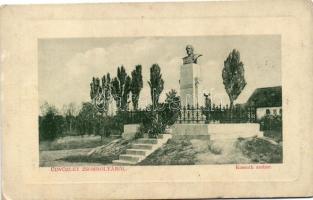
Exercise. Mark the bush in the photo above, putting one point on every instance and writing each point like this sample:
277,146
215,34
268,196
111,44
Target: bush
171,108
112,125
271,122
50,126
153,125
166,114
175,152
157,127
261,151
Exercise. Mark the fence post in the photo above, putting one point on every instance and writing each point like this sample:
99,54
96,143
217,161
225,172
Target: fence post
184,112
188,113
197,114
192,114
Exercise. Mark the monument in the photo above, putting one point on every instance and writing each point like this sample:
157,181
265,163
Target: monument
190,80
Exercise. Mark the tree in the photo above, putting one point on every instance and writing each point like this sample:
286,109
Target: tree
69,112
100,94
95,88
106,90
116,92
156,84
46,107
86,119
121,88
233,76
156,120
171,110
136,85
51,125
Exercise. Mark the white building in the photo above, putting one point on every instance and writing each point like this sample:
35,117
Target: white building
266,101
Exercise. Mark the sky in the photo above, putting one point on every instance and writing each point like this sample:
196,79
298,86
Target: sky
67,65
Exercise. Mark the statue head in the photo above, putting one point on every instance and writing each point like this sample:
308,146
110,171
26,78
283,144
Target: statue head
189,49
191,57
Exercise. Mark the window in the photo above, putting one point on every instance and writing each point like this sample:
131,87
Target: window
275,112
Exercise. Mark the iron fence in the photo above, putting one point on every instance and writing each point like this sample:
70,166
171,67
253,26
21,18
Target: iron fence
197,114
217,114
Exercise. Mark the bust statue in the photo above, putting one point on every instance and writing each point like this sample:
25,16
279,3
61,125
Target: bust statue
191,57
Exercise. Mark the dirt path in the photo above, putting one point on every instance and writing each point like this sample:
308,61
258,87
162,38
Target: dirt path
51,158
218,152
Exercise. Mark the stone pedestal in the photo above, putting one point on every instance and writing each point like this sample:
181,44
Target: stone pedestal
130,131
190,85
217,131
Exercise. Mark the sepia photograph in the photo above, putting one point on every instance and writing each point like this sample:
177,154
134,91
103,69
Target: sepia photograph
196,100
168,100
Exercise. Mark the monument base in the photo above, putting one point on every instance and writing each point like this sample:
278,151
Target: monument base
190,85
130,131
216,131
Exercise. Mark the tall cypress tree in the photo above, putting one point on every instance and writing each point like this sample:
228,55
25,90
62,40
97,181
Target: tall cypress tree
121,87
136,85
156,84
233,76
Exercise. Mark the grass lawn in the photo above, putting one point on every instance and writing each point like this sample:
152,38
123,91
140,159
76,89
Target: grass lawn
224,151
185,151
260,150
54,153
175,152
104,154
54,158
73,142
196,152
274,134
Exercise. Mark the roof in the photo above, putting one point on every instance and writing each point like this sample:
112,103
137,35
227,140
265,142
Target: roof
266,97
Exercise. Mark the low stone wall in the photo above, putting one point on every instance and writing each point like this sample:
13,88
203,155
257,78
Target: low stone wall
190,129
130,131
217,131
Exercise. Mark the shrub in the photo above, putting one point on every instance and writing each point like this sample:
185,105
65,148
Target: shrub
166,114
271,122
113,125
50,126
157,126
170,109
175,152
261,151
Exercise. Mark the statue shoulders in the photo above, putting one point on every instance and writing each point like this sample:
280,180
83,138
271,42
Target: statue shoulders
187,60
191,59
196,56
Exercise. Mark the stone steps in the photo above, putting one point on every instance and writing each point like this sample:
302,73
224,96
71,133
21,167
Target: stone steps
136,152
142,146
146,141
129,157
140,149
123,162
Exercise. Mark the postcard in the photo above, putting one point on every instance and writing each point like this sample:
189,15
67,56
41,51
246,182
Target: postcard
157,100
